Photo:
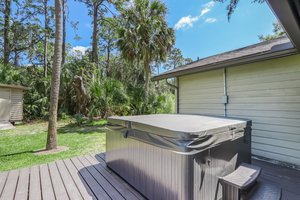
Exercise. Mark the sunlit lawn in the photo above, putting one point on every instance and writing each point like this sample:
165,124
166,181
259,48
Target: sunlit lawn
17,146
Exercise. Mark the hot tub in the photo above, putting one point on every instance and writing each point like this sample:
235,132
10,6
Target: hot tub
174,156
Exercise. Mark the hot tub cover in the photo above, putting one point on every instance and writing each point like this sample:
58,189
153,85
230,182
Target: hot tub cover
181,133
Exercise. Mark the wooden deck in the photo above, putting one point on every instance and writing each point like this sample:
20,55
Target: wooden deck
81,178
286,178
87,177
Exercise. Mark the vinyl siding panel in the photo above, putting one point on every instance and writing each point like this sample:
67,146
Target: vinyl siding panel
11,104
4,104
268,93
201,93
4,109
16,113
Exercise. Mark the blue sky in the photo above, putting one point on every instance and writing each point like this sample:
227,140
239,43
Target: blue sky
201,26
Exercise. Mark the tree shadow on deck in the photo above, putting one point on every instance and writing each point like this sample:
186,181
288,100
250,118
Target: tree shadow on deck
114,185
102,183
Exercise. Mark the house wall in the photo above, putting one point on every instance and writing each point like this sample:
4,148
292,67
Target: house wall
201,93
16,113
11,104
4,110
266,92
4,104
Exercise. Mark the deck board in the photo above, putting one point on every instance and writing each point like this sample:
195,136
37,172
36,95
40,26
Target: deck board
106,185
3,176
286,178
35,192
82,186
58,185
22,188
72,190
9,189
46,184
88,178
125,192
79,178
100,158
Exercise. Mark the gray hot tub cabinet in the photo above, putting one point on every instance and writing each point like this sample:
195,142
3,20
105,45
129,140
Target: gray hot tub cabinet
176,156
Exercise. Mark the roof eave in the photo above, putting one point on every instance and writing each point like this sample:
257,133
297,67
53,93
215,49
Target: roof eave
229,63
287,13
14,86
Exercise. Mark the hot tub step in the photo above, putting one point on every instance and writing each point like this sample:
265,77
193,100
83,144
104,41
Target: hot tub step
243,177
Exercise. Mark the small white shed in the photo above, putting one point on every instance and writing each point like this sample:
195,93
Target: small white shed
11,104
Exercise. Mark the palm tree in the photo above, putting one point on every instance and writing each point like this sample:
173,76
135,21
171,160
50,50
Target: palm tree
144,34
55,79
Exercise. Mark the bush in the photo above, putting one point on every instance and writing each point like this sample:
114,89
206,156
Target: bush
105,97
79,119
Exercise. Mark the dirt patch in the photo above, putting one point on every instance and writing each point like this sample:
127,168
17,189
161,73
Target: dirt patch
52,151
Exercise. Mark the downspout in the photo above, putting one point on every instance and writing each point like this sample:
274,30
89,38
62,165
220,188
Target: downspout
176,91
225,97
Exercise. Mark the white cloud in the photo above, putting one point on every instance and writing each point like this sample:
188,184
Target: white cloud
186,22
210,20
204,11
207,8
79,50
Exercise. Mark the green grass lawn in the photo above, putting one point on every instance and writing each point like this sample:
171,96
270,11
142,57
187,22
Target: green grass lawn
17,146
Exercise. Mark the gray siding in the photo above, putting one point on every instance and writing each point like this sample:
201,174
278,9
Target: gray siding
4,104
16,113
267,92
201,93
11,104
4,109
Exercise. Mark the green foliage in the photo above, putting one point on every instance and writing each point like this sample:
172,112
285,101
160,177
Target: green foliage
79,119
9,74
278,31
36,102
175,59
113,87
65,116
143,34
157,101
106,96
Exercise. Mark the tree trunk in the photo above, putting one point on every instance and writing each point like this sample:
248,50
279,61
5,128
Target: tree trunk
95,34
55,80
16,59
7,12
82,95
108,50
147,75
64,2
45,38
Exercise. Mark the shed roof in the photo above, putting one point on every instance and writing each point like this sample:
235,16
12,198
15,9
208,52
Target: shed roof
278,47
14,86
